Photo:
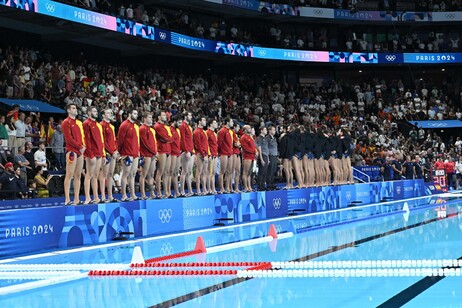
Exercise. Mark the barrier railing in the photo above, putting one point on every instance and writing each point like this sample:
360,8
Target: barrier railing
365,179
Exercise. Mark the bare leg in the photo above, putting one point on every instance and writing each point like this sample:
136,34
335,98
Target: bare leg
199,166
94,179
229,174
186,172
237,172
132,175
223,171
144,175
166,177
73,171
297,168
124,178
246,170
213,171
151,176
174,173
90,165
162,161
287,171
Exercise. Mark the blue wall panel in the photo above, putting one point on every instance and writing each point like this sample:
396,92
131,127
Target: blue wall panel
36,229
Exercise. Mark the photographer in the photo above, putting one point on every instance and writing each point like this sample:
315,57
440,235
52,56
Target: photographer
42,181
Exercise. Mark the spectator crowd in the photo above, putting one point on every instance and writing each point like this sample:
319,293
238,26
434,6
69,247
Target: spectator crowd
370,109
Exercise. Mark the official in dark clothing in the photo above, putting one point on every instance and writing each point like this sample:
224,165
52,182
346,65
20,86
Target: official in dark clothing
408,168
418,168
263,158
397,169
379,162
387,170
8,182
273,156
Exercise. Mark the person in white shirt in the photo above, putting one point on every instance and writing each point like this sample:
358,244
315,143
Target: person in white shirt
122,11
40,156
213,32
20,132
129,12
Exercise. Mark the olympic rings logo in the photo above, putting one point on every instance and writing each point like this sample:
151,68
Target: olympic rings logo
165,215
50,7
277,203
166,249
390,58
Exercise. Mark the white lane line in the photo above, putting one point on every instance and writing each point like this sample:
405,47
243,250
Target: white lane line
250,242
41,283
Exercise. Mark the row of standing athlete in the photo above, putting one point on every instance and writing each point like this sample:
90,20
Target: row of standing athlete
316,156
160,149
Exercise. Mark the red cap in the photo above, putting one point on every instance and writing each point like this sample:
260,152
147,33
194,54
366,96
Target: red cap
8,164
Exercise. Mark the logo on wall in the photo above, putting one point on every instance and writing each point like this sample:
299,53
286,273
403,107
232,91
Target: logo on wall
450,15
398,190
277,203
390,58
348,195
50,7
439,124
261,52
162,35
166,249
165,215
318,12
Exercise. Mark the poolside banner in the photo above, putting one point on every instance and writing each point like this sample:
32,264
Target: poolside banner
31,203
39,228
398,190
164,217
277,204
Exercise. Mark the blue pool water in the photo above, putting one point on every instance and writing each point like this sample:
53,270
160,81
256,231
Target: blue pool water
368,233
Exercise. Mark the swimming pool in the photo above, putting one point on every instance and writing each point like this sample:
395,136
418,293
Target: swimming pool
428,233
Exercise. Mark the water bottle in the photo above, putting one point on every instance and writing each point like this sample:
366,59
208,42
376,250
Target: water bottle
141,161
108,158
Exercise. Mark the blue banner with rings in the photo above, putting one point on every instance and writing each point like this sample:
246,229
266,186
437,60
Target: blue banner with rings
129,27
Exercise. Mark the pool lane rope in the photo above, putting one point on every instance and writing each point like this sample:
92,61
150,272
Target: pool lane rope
61,267
330,273
35,275
370,264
